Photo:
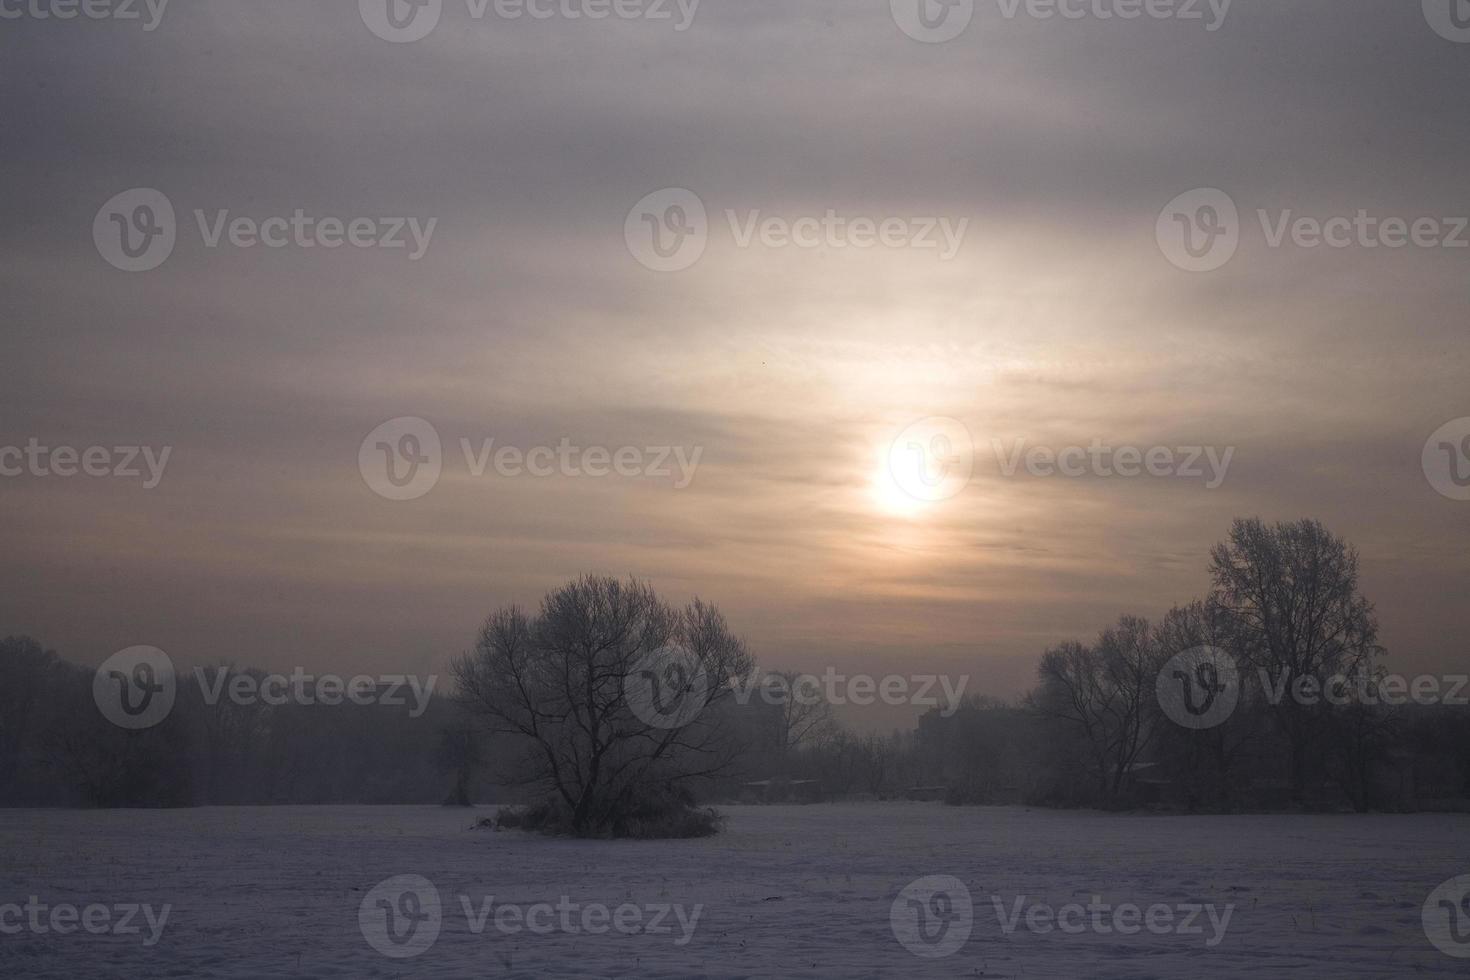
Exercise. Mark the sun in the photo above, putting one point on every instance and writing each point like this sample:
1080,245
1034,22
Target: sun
929,461
888,496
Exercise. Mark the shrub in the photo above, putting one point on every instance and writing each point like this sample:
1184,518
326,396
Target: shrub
668,814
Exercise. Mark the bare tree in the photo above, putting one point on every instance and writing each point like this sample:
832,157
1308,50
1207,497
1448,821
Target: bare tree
877,755
1291,591
613,693
459,754
1208,761
1105,696
804,719
840,761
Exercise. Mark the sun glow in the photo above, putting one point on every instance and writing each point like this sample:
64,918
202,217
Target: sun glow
891,498
929,461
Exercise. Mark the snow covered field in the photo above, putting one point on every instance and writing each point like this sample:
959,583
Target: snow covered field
813,891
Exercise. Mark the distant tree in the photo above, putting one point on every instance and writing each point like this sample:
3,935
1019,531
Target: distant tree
29,677
614,694
805,716
1209,762
1361,733
984,752
877,756
1291,592
107,766
459,753
1105,697
840,762
233,732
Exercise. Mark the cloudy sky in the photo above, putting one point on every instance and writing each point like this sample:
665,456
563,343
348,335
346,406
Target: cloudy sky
531,317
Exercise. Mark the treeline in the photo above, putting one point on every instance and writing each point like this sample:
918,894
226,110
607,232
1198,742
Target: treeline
1271,692
57,748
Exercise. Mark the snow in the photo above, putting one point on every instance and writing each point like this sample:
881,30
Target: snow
785,892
